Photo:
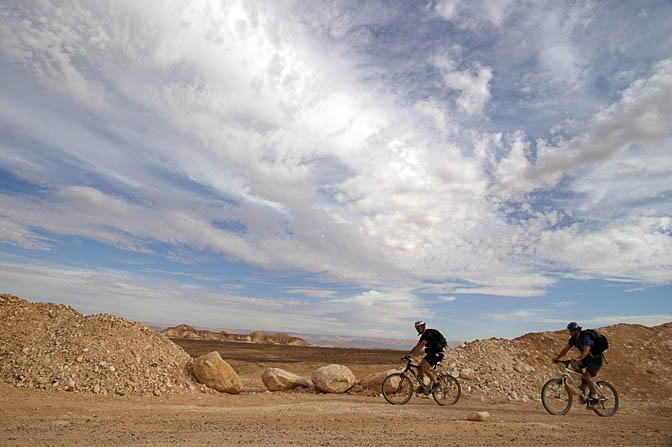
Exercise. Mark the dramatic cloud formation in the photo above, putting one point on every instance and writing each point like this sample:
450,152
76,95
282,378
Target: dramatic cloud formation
339,167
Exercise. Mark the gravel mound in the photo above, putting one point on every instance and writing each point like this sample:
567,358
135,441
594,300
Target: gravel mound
637,363
52,345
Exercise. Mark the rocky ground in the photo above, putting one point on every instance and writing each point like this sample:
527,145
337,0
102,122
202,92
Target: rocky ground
71,379
45,345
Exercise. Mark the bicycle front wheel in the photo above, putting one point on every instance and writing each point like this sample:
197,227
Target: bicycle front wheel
556,397
448,391
397,389
608,399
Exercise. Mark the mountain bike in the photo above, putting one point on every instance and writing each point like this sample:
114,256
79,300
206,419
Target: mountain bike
557,395
398,389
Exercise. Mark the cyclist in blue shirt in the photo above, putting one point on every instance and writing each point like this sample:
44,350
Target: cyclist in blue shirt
592,363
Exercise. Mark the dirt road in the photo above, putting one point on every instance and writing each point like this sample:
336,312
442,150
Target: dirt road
46,417
30,417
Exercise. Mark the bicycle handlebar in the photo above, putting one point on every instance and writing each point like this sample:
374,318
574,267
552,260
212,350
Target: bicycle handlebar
564,362
408,361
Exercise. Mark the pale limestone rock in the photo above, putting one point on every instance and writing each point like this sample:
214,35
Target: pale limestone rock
214,372
277,379
468,374
375,381
333,378
479,416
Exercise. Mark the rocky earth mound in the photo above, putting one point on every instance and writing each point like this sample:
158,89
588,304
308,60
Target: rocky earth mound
638,363
52,345
186,331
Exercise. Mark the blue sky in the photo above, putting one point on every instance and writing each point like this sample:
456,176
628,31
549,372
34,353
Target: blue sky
340,167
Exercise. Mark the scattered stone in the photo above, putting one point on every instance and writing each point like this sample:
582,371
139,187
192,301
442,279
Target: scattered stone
468,374
277,379
333,378
214,372
478,416
375,381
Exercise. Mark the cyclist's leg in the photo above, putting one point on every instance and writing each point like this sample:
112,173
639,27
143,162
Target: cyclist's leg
593,365
428,363
423,370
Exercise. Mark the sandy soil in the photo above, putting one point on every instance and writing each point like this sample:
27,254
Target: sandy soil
39,417
257,417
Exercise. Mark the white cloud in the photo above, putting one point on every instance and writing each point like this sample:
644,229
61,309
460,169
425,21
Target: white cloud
312,293
632,249
446,8
539,316
642,115
146,297
514,284
470,14
564,303
473,85
190,114
646,320
518,315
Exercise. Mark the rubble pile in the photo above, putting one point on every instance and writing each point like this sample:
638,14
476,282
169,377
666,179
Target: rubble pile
52,345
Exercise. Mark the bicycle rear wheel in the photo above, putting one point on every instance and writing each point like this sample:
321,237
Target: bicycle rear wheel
397,389
448,391
556,397
608,404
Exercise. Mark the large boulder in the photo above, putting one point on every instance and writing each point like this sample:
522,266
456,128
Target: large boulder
214,372
375,381
277,379
333,378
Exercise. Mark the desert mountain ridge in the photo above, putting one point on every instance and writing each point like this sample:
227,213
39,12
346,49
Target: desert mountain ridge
186,331
326,340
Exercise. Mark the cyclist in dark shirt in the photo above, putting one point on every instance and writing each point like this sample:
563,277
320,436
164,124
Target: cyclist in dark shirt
592,363
430,339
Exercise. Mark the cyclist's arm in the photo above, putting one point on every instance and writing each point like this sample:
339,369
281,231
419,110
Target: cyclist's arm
417,348
563,352
584,354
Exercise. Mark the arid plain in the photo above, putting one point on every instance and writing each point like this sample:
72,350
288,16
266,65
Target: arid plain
179,411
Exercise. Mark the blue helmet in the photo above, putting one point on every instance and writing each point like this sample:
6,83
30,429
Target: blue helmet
573,325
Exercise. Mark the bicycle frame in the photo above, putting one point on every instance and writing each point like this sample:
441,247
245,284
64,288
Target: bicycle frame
567,373
398,387
552,394
410,367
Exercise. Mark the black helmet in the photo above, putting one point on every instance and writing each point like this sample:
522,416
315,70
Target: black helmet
573,325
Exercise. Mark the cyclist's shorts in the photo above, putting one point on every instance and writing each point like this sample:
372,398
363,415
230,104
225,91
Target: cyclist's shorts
593,364
434,357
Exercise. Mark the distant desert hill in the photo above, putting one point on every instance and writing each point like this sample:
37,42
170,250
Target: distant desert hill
186,331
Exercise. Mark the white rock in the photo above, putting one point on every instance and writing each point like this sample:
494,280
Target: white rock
333,378
479,416
468,374
277,379
375,381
